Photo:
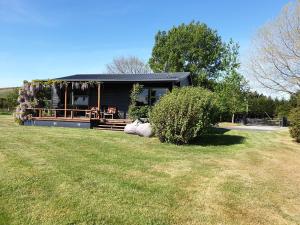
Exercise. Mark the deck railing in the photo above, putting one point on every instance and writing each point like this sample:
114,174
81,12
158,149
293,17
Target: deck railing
63,113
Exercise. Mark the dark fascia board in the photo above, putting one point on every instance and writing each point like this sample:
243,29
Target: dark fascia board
155,77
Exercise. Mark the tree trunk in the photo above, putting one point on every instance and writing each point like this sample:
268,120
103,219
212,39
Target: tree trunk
232,119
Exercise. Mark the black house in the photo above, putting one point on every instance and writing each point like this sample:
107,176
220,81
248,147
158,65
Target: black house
107,99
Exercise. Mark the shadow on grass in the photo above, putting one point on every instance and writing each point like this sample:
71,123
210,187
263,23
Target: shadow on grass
217,137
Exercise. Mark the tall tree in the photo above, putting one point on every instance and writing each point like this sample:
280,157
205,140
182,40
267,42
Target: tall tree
194,48
232,91
128,65
275,61
12,99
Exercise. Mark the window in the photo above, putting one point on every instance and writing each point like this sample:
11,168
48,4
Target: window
81,100
149,96
156,94
143,97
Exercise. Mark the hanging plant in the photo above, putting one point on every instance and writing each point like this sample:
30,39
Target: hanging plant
84,86
76,85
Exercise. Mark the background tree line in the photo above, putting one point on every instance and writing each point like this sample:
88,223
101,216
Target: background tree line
213,64
8,99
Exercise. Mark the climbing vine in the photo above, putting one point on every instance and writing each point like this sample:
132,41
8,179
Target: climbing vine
31,94
135,111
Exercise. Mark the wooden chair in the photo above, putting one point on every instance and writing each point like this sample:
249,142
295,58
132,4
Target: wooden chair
111,111
93,113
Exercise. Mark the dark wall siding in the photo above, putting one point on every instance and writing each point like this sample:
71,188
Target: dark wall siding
116,95
112,94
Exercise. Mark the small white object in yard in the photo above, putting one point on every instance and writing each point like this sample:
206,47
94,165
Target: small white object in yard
144,129
131,128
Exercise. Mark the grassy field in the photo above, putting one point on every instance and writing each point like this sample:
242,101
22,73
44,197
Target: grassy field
78,176
5,91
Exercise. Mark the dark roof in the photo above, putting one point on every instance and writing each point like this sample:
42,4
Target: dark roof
176,77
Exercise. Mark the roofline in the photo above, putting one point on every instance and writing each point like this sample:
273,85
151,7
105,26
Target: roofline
113,80
179,78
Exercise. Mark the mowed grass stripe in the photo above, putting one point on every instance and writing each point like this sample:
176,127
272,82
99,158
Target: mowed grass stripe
78,176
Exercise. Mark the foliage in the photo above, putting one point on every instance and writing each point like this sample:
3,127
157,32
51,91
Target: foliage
136,90
9,100
38,94
232,91
5,91
129,65
26,100
183,114
12,98
194,48
135,111
294,118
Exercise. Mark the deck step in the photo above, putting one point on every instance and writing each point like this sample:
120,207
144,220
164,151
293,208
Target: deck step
107,128
111,126
114,124
122,121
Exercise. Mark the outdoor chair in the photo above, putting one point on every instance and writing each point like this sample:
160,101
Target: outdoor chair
93,113
110,112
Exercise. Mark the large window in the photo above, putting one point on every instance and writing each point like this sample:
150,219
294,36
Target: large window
156,94
149,96
143,97
81,100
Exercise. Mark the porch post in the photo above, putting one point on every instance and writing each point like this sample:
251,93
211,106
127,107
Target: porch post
66,98
99,96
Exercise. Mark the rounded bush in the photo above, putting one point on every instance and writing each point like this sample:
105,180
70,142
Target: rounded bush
183,114
294,118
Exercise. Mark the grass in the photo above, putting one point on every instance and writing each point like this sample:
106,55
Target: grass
5,91
78,176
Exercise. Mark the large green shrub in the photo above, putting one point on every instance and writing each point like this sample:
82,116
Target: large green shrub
183,114
294,118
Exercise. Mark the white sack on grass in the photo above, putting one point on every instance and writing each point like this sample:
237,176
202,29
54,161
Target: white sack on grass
131,127
144,129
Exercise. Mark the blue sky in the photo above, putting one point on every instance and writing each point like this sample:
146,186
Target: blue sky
47,39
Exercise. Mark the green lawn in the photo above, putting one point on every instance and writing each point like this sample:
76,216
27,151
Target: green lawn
5,91
79,176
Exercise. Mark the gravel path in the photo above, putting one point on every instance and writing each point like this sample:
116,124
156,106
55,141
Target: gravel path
256,128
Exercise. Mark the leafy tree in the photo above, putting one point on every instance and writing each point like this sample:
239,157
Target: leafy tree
261,106
295,123
127,65
12,98
194,48
232,92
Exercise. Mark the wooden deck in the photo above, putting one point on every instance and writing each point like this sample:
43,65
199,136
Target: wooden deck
89,119
95,123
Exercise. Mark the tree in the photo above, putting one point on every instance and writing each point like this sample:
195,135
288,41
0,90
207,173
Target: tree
127,65
275,61
194,48
232,92
12,98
